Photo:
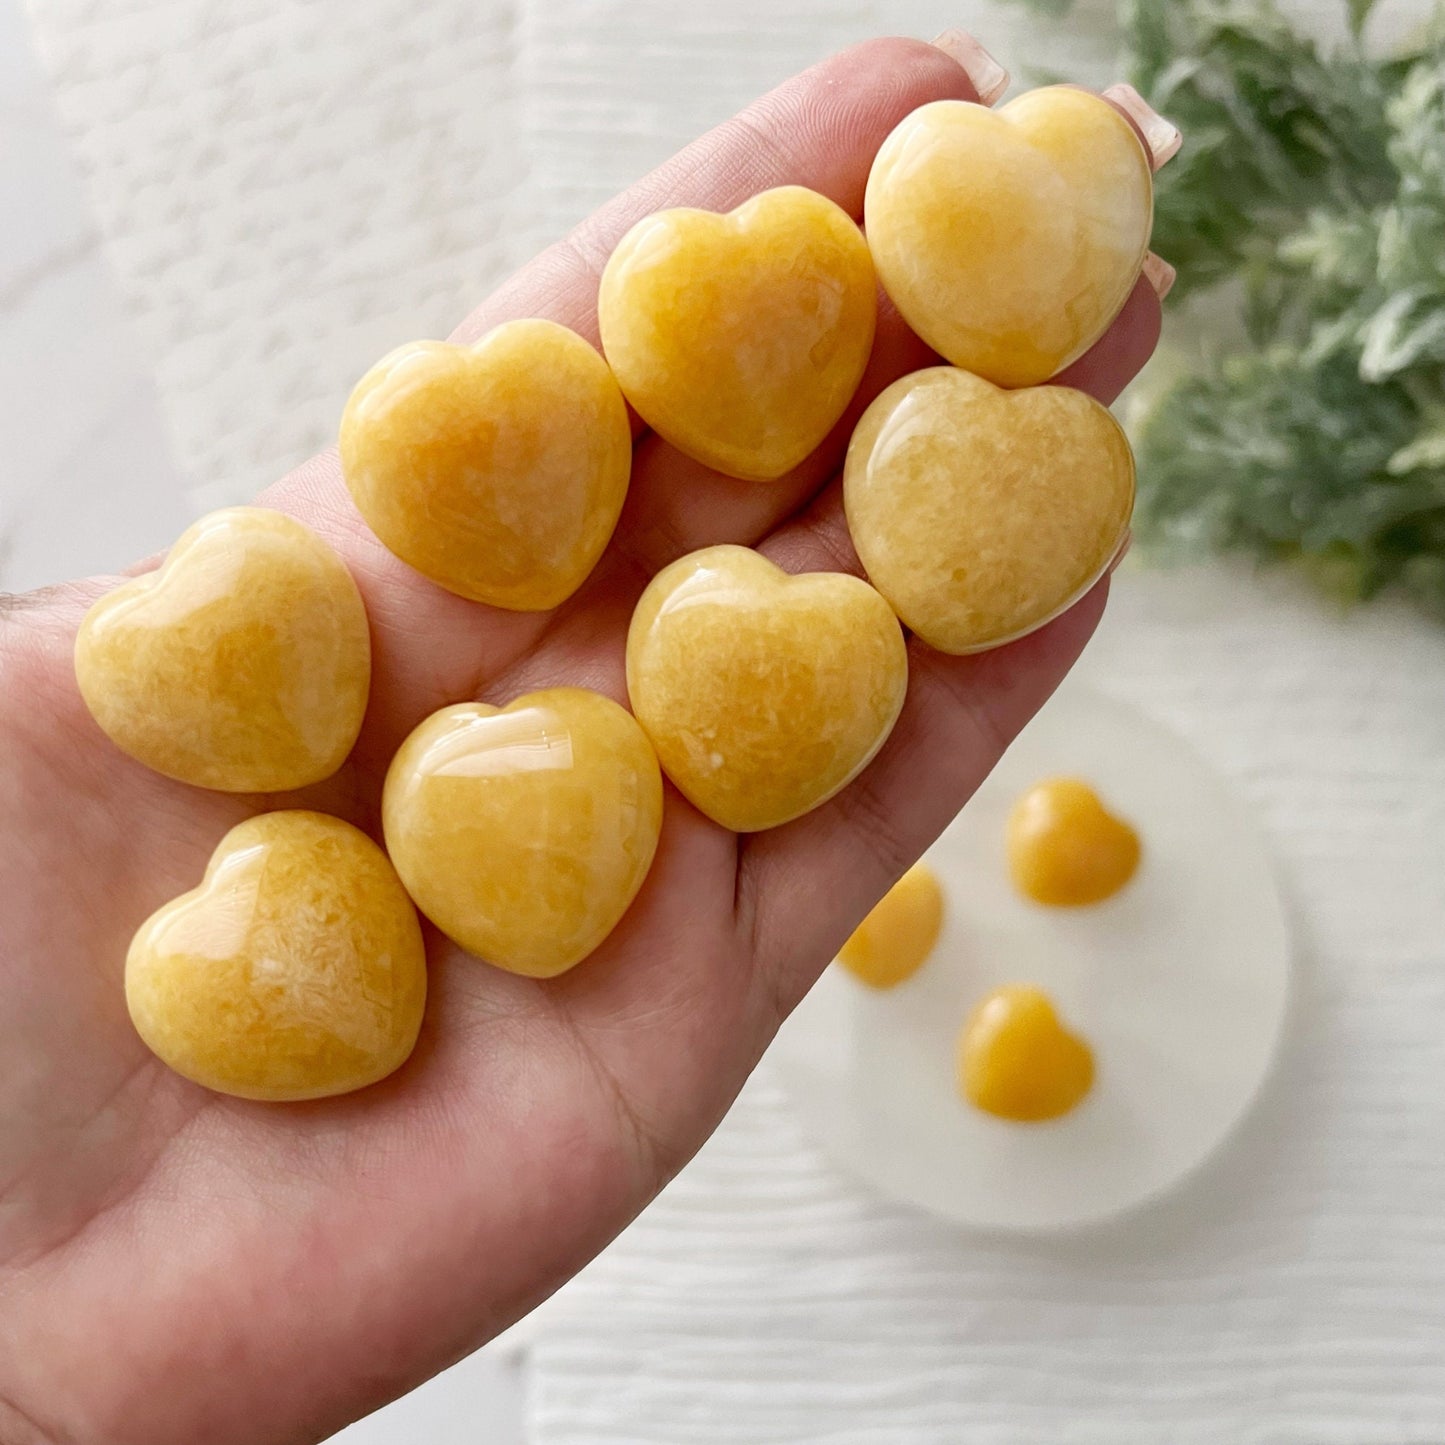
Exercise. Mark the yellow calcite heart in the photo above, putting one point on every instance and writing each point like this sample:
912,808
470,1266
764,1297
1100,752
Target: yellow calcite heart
894,941
525,832
741,338
981,513
497,469
243,664
1065,848
1009,239
764,694
1016,1059
294,971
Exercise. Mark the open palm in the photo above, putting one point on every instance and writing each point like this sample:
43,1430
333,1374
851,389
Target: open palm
179,1266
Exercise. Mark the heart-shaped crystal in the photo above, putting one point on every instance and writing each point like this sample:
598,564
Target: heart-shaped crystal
497,469
295,970
525,832
981,513
243,664
1009,239
764,694
741,338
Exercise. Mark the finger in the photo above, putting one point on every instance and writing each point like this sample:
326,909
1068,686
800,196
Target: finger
1161,137
1118,356
989,79
1159,274
819,129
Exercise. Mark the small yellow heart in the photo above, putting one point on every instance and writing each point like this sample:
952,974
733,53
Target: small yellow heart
1065,848
1009,239
294,971
764,694
525,832
894,941
243,664
1016,1059
498,469
741,338
981,513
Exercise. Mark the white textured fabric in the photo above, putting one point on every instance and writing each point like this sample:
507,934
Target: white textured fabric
1295,1292
286,189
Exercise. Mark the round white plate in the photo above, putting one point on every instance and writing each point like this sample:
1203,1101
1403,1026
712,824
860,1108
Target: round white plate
1179,984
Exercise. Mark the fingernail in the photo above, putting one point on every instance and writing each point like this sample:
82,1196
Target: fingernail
1122,552
1159,274
986,75
1160,135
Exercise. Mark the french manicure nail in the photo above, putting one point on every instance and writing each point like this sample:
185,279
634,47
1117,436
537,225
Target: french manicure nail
986,75
1159,274
1160,135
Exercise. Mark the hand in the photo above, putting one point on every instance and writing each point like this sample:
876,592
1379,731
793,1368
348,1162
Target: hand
178,1266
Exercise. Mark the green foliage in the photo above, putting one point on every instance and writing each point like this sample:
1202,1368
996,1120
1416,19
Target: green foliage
1313,185
1319,182
1359,13
1274,131
1287,457
1054,9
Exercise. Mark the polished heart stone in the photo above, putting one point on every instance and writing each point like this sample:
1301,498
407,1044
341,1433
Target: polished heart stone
294,971
981,513
1065,848
764,694
1009,239
525,832
243,664
497,469
741,338
895,940
1017,1061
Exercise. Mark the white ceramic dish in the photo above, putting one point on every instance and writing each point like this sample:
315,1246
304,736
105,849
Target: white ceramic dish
1179,983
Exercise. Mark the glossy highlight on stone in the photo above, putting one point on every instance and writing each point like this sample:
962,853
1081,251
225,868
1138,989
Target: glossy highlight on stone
497,469
525,832
1010,239
895,940
1065,848
741,338
1016,1059
764,694
296,969
243,664
979,513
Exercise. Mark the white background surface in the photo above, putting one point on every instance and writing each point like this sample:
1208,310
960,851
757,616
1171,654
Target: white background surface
252,202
